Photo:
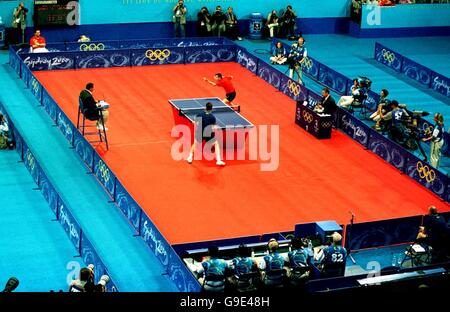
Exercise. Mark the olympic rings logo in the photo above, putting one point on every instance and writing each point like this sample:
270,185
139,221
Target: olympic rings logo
308,117
104,171
293,88
425,172
326,124
388,55
157,54
35,85
307,63
92,47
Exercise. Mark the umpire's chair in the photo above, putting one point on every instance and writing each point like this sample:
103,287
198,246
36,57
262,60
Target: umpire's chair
100,132
248,282
418,255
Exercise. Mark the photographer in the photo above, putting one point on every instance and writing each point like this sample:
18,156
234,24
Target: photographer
296,58
86,282
19,23
384,106
179,19
437,140
398,117
218,22
204,22
288,22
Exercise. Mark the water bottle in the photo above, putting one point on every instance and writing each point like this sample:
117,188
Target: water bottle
394,260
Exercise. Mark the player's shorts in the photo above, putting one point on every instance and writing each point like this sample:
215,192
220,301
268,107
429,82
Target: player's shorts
230,96
206,139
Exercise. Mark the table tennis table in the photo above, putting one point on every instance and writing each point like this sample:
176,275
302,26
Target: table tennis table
230,121
227,117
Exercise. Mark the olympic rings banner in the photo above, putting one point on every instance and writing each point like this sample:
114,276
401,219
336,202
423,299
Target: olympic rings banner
14,60
164,55
388,150
293,89
413,70
388,57
353,127
104,174
425,174
49,61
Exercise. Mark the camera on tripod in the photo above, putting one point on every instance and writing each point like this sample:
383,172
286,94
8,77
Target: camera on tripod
364,82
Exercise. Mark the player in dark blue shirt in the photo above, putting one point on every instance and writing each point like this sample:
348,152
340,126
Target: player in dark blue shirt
332,258
242,265
299,257
204,132
214,270
273,272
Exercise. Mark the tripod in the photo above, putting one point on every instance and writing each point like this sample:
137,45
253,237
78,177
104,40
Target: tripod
349,255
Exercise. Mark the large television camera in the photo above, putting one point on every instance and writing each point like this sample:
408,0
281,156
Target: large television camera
364,82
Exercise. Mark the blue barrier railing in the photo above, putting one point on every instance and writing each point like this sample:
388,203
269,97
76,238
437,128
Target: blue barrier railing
413,70
145,228
58,205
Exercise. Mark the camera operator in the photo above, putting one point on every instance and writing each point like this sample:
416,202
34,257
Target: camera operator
204,22
398,117
179,19
437,139
218,22
86,281
288,21
296,58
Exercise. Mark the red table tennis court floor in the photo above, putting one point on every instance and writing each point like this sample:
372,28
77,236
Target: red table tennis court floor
316,180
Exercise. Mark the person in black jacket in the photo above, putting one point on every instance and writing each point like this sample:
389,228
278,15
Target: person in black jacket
92,108
288,22
327,104
218,22
437,234
204,22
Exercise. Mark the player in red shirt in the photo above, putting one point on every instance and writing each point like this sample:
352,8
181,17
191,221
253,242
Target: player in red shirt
226,84
37,42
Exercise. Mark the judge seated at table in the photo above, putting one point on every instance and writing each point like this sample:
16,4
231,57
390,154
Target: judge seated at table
37,43
327,105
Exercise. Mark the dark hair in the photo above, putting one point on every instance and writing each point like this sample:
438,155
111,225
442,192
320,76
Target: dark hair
213,251
385,92
218,75
85,274
89,85
433,210
394,103
296,242
244,251
209,106
326,90
289,6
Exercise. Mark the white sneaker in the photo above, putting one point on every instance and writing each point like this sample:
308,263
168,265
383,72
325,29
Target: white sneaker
220,163
99,127
189,159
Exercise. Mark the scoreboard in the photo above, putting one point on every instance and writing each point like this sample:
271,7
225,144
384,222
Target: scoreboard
56,13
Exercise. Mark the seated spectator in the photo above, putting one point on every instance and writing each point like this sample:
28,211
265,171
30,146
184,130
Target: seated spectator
386,3
279,54
242,266
37,43
86,281
384,106
288,22
231,25
436,233
92,108
218,22
300,257
274,272
347,100
272,23
5,134
204,22
332,258
213,271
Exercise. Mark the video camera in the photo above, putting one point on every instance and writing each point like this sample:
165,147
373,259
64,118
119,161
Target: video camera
364,82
